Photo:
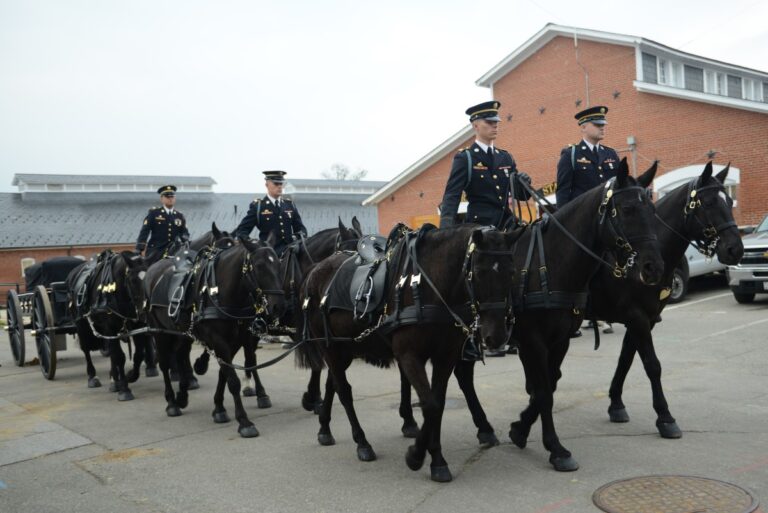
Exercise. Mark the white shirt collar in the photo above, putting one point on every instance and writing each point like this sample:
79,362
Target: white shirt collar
168,211
273,200
483,146
589,144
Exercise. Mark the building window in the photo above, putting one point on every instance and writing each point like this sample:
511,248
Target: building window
694,78
734,86
670,73
765,92
753,90
649,68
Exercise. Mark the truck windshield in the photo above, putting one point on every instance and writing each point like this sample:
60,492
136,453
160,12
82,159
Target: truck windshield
763,226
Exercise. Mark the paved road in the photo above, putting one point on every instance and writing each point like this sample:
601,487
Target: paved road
64,447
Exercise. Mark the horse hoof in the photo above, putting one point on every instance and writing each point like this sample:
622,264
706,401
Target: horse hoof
151,372
307,403
517,436
488,439
94,382
173,411
669,430
618,415
564,463
326,439
220,417
264,402
410,430
248,431
412,459
200,366
112,386
441,474
248,392
132,376
366,454
193,384
125,396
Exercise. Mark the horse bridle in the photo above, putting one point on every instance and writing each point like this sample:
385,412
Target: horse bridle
707,245
257,294
468,270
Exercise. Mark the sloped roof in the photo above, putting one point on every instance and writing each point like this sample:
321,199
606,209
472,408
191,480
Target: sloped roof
75,179
80,219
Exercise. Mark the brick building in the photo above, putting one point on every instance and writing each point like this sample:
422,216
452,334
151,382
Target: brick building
80,215
665,104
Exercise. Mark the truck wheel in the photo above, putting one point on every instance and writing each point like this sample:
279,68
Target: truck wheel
744,297
679,286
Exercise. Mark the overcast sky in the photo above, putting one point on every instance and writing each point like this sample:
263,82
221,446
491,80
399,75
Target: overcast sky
229,88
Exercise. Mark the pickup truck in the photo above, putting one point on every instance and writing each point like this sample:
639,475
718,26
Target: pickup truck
750,276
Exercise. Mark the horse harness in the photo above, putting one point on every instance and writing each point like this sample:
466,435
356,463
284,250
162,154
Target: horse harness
402,241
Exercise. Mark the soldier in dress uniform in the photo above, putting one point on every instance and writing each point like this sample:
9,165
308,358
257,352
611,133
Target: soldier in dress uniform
163,225
485,174
273,214
586,164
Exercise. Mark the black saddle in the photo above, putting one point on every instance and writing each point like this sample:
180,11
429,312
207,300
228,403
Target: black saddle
369,280
174,290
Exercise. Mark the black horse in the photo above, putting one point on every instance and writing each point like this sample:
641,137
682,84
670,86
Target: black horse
481,256
699,212
232,293
297,259
614,221
104,297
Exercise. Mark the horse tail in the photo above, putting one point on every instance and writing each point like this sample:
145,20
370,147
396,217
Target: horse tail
308,355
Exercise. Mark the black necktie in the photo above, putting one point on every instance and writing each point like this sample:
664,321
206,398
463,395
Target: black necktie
595,154
490,155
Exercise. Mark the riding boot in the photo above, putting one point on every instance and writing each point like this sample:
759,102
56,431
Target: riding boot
471,353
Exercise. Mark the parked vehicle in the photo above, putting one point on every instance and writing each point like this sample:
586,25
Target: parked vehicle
750,276
692,265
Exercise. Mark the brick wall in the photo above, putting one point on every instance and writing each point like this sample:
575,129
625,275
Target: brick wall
675,131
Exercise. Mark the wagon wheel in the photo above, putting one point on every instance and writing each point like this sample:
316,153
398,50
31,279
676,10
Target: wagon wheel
42,323
15,327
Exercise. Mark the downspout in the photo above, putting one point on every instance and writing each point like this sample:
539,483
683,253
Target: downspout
586,73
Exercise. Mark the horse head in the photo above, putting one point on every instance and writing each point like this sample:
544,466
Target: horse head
709,216
262,269
489,272
627,225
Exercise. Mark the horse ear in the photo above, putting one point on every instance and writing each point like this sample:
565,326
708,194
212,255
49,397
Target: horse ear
215,231
249,245
622,173
646,178
356,226
707,173
722,175
132,260
272,239
342,228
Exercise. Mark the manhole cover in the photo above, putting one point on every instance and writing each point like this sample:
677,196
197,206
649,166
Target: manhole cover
673,494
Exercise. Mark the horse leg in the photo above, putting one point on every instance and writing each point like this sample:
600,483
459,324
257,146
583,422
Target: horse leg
410,427
337,365
665,422
535,358
150,354
139,352
117,360
93,379
201,364
249,355
414,371
311,399
246,427
219,412
186,378
324,436
441,373
262,399
617,411
465,375
164,354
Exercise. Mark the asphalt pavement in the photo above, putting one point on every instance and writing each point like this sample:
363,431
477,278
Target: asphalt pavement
64,447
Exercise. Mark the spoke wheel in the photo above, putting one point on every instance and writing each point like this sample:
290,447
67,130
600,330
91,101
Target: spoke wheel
42,320
15,320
